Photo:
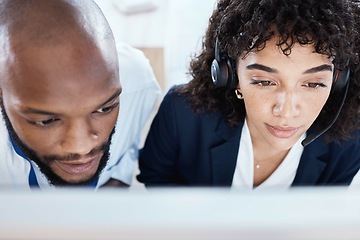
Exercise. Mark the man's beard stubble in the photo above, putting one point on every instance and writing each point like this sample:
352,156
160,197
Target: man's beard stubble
45,169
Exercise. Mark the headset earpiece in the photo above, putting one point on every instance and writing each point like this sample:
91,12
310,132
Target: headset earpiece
221,70
340,79
219,73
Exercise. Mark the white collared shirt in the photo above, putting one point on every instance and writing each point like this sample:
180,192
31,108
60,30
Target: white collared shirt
282,177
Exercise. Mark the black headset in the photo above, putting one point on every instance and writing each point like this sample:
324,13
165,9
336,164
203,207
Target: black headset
340,86
221,70
341,78
222,76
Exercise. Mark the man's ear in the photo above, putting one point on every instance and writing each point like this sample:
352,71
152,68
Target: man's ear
1,97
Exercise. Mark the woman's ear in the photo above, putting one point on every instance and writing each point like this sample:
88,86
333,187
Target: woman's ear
239,94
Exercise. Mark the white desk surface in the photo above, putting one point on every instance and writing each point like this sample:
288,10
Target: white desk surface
316,213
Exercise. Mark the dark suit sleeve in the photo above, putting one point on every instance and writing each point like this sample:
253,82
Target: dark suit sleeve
157,159
348,162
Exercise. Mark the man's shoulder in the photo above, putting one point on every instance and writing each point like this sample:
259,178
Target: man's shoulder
135,70
4,139
13,168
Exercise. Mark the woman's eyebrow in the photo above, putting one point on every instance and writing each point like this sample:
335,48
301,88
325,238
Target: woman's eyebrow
321,68
262,68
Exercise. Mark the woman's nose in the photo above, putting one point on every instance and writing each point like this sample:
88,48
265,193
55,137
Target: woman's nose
287,104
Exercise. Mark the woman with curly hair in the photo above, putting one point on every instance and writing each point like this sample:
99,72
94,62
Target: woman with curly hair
274,100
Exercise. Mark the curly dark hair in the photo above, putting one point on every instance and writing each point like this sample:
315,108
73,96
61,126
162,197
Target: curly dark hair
332,26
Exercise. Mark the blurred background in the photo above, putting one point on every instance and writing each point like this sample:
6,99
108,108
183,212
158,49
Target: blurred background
169,32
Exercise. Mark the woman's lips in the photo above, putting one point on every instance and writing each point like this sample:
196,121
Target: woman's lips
281,132
79,166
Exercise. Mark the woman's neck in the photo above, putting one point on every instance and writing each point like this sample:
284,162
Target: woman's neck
266,161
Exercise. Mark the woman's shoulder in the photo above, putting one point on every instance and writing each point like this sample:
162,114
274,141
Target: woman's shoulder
351,143
175,98
178,101
175,91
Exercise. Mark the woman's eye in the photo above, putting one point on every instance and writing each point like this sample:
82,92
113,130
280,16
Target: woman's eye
314,85
262,83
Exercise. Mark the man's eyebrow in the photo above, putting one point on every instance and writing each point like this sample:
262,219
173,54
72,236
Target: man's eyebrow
261,67
115,95
321,68
30,110
42,112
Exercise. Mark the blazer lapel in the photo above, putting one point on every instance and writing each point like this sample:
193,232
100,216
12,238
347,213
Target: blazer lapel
311,164
224,155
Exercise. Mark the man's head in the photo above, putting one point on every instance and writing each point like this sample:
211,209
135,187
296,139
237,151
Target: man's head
59,85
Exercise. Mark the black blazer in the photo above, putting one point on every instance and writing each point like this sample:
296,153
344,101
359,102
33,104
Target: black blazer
200,149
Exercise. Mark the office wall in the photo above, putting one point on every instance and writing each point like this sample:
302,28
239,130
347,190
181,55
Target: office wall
169,32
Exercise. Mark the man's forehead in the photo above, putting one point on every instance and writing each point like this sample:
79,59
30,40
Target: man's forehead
49,74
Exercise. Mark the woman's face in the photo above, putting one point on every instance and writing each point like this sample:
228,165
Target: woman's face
283,95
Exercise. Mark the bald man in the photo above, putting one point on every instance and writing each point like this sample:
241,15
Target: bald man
60,96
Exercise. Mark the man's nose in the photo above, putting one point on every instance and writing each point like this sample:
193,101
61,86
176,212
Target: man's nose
79,138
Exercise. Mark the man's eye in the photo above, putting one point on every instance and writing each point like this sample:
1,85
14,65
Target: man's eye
314,85
107,109
45,123
262,83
